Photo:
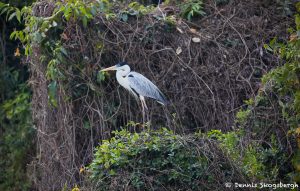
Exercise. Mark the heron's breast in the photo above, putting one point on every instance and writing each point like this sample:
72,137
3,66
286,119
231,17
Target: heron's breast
123,81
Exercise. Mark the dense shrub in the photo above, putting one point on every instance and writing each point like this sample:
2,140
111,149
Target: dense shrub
282,86
16,132
256,161
160,160
16,141
273,115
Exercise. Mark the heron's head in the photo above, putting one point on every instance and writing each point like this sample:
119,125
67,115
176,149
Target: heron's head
121,66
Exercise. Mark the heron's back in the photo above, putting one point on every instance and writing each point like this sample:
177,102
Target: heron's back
144,87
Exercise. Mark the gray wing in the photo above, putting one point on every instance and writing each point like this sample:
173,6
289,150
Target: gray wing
144,87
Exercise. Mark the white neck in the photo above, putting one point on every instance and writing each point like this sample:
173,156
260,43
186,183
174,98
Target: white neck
121,75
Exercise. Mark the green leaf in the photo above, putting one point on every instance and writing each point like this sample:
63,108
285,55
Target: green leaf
267,47
93,10
124,17
64,51
112,172
273,41
18,14
190,14
37,37
84,21
100,77
13,34
4,10
297,21
297,101
86,124
11,16
298,6
2,5
67,13
52,90
21,36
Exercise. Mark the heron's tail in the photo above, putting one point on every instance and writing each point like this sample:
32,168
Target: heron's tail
162,99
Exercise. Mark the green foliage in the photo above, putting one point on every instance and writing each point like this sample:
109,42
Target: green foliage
16,140
10,12
280,94
54,73
46,31
23,35
285,80
14,12
16,130
192,8
134,9
38,29
242,116
78,9
172,161
15,107
150,160
255,160
101,76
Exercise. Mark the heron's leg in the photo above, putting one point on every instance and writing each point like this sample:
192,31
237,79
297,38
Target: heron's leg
145,110
143,113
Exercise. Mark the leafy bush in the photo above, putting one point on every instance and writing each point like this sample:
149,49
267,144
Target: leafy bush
160,160
192,8
283,82
272,118
256,161
16,132
16,140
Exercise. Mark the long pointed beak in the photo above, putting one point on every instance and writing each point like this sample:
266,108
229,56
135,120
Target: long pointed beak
110,68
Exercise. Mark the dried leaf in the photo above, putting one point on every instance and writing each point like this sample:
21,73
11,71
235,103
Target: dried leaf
54,24
64,36
179,21
192,30
81,170
196,39
178,50
293,37
179,30
17,52
297,131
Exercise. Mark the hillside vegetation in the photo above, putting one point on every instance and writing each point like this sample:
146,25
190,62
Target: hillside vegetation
230,69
